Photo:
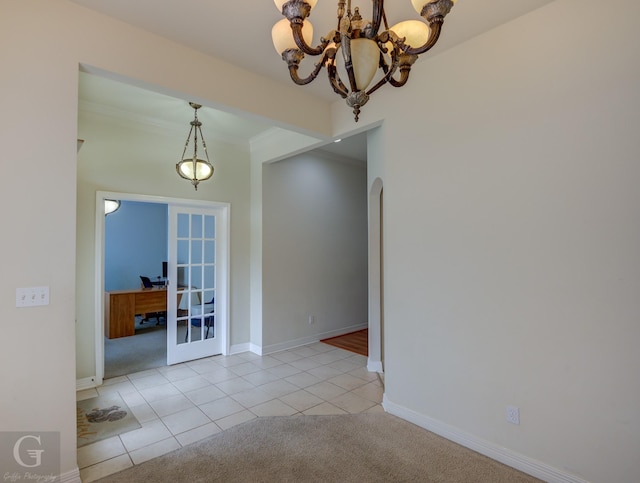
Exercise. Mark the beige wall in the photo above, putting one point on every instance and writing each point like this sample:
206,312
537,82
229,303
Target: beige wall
512,273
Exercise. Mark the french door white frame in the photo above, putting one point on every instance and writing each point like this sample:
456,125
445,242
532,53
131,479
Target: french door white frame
99,264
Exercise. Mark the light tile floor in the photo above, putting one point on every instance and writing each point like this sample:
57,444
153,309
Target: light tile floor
181,404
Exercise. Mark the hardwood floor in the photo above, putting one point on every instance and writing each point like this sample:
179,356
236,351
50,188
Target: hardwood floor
357,342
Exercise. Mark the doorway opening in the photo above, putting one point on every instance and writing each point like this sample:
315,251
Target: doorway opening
168,323
136,252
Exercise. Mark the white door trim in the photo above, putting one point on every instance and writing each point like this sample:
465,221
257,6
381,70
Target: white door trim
99,263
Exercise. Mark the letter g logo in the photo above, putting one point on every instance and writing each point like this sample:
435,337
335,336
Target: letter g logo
35,454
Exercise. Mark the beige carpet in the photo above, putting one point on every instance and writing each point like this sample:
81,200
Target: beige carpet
145,350
347,448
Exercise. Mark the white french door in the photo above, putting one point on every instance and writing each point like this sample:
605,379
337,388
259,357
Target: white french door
197,313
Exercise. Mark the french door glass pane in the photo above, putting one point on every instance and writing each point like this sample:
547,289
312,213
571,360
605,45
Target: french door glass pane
196,277
183,225
209,226
196,251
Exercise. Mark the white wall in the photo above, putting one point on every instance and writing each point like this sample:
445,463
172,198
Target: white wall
314,250
512,273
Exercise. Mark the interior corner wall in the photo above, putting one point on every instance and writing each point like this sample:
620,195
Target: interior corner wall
511,239
314,250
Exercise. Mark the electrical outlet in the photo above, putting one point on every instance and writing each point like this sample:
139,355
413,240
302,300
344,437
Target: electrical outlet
513,415
312,319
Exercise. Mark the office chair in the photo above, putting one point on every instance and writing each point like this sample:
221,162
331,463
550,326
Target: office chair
207,310
146,283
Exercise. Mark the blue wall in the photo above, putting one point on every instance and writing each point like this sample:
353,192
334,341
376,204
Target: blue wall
135,244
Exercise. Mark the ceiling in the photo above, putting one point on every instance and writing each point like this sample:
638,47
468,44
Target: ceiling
208,25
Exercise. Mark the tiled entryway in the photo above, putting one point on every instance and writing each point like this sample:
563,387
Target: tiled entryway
178,405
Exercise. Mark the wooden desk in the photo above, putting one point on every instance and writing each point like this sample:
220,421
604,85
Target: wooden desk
122,306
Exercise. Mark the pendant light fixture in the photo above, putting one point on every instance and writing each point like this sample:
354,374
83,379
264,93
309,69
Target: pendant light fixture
110,206
195,169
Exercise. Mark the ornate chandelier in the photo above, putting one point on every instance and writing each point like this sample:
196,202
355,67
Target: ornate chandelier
364,49
193,168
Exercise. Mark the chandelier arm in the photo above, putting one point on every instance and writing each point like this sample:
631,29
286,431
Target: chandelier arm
296,29
336,83
404,77
388,77
293,58
293,71
348,62
378,15
435,27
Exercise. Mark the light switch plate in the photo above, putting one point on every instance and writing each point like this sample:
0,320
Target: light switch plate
32,296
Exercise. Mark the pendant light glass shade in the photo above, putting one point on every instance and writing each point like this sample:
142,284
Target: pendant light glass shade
202,170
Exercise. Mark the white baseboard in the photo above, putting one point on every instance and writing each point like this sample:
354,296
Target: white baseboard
256,349
374,366
72,476
238,348
86,383
290,344
503,455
